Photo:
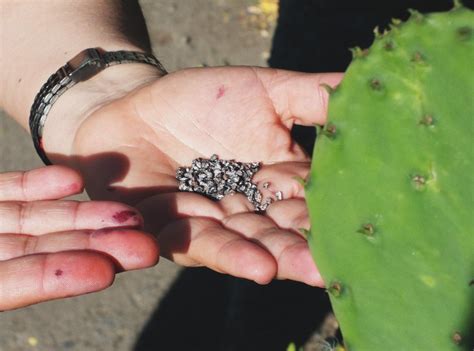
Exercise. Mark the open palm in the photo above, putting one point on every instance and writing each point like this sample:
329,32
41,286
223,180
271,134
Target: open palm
130,149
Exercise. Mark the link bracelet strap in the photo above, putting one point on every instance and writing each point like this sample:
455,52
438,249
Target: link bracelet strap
82,67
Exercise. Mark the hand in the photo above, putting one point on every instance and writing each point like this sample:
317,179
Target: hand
130,148
52,249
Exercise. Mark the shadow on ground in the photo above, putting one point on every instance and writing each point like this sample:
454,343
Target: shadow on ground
204,310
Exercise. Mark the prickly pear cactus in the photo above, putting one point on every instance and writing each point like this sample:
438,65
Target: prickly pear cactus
391,191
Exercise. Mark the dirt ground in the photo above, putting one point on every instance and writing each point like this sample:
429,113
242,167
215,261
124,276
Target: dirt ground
168,308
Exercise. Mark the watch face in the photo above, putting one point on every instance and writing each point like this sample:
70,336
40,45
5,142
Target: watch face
85,65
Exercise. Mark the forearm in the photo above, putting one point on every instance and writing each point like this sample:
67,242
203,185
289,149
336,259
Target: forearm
38,37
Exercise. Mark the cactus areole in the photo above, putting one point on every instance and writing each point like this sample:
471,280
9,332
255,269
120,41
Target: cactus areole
391,189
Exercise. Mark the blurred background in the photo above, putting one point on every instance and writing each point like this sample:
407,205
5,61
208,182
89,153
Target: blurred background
170,308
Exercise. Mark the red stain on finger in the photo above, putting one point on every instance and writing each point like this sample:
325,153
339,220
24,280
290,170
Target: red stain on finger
124,216
220,92
58,272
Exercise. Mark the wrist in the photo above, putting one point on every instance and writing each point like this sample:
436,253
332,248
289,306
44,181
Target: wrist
76,104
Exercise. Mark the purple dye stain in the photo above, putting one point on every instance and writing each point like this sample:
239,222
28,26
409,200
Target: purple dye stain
124,216
58,272
220,92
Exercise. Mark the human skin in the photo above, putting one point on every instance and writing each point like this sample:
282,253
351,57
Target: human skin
128,130
52,248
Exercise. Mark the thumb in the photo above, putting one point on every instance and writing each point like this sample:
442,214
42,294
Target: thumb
297,97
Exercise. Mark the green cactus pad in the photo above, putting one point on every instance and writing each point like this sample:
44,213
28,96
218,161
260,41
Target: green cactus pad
391,190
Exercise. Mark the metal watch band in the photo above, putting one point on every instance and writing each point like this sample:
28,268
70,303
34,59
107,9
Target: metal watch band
82,67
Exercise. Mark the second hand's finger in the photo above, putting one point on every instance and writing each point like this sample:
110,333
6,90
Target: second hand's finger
37,278
42,217
130,249
46,183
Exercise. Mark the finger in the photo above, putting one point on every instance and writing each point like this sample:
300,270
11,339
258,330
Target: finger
130,249
32,279
299,98
202,241
290,250
46,183
284,178
160,210
236,203
291,214
276,182
40,217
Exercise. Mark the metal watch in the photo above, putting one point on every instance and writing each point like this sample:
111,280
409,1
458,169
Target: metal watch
82,67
